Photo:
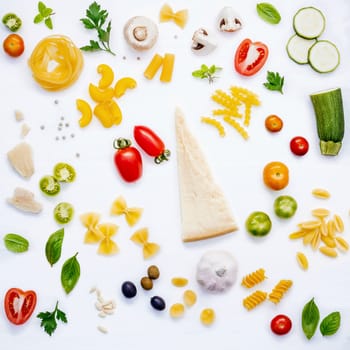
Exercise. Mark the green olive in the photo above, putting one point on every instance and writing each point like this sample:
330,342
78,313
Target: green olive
153,272
146,283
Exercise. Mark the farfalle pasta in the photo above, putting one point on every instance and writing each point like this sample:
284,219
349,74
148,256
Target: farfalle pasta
90,221
132,214
140,237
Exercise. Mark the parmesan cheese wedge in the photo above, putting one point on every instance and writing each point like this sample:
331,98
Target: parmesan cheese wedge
205,213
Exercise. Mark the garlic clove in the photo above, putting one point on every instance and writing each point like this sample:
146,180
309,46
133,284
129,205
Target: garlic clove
202,42
229,20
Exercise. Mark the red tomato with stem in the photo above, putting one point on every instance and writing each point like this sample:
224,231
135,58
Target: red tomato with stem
19,305
250,57
151,143
13,45
128,160
281,324
299,145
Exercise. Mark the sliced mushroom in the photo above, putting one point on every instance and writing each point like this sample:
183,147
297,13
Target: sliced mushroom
202,42
229,20
23,200
141,33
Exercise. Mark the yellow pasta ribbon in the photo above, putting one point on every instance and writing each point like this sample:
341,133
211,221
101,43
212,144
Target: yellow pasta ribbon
107,245
90,221
167,14
141,237
132,215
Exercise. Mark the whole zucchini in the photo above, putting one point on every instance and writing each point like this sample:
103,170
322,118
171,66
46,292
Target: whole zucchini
329,113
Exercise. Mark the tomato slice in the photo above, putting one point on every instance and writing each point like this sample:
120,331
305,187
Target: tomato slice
19,305
64,172
63,213
250,57
49,185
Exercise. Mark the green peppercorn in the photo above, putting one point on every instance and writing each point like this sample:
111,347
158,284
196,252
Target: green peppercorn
153,272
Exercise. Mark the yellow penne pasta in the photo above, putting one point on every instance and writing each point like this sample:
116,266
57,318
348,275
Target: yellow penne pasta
331,252
342,243
302,260
321,193
320,212
338,223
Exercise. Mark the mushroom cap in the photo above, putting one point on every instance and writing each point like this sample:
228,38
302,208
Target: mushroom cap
202,42
140,32
228,20
217,271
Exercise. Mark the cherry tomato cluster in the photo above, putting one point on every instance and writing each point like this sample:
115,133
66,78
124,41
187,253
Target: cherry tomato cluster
128,160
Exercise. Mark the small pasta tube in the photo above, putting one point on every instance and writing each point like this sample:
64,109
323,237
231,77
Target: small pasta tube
153,66
168,67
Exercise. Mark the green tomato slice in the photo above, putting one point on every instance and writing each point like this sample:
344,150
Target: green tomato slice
285,206
49,185
63,212
258,223
64,172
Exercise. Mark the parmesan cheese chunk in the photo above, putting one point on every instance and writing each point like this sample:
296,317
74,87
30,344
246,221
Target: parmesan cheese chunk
205,212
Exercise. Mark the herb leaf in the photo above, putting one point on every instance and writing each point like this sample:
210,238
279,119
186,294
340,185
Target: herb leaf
70,273
16,243
268,13
44,14
330,324
48,319
206,72
274,82
310,318
95,20
53,246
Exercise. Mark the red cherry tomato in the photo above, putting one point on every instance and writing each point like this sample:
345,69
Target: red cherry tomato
250,57
19,305
128,160
13,45
151,143
299,145
281,324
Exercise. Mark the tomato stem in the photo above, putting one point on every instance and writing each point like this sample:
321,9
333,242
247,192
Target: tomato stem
163,156
121,143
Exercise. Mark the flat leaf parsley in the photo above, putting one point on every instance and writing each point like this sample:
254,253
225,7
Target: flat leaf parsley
274,82
95,19
49,319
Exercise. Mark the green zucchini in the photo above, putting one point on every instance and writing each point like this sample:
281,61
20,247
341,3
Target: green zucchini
329,113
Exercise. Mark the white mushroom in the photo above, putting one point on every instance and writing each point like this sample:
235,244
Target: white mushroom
217,271
202,42
229,20
140,32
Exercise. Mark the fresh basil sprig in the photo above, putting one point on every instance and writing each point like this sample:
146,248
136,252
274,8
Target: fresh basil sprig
268,13
16,243
53,246
310,318
70,273
330,324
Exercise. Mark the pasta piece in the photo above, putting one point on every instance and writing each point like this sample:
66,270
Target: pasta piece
153,67
245,95
342,243
338,223
141,237
302,260
226,100
226,111
321,193
331,252
331,228
253,278
132,215
168,67
189,297
316,239
329,241
247,115
107,245
279,290
254,299
216,124
309,237
310,225
320,212
237,126
297,234
179,281
90,221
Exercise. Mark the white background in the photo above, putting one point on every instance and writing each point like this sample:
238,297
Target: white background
237,166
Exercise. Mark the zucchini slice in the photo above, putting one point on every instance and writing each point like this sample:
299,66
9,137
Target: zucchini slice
329,113
309,22
324,56
298,48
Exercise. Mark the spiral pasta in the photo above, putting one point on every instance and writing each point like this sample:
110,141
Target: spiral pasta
254,299
279,290
56,62
253,278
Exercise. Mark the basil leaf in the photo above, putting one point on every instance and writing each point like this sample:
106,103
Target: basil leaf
70,273
16,243
53,246
310,318
330,324
268,13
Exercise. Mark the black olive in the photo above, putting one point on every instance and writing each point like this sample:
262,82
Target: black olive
129,289
158,303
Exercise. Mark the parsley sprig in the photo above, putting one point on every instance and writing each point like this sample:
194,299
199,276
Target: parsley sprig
44,14
49,319
95,20
274,82
206,72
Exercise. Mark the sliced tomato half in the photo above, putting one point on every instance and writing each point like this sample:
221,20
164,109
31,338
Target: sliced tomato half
19,305
250,57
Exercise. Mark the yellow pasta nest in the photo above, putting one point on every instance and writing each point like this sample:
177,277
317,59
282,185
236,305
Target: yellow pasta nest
253,278
279,290
254,299
56,62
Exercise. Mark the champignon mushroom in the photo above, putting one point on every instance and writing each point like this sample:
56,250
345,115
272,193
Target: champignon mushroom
217,271
202,42
140,32
229,20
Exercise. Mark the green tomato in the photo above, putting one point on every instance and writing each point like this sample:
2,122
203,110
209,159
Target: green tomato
285,206
63,212
64,172
258,223
49,185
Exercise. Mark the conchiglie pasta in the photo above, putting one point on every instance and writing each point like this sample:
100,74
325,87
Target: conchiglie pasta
56,62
